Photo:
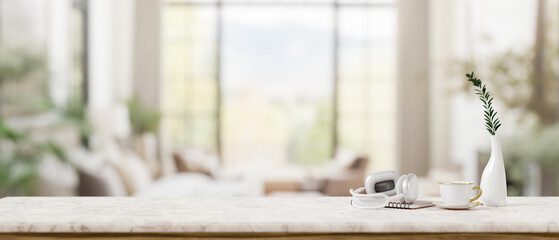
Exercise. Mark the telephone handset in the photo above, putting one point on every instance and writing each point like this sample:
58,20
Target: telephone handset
386,186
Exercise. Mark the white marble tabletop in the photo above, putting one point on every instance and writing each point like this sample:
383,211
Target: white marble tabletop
320,214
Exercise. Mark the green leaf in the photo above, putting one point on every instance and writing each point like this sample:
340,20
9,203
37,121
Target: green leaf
492,123
56,150
9,133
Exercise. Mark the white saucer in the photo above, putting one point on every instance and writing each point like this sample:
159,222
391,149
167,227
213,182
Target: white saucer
455,207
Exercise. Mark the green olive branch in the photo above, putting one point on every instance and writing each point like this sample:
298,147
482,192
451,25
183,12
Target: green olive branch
492,123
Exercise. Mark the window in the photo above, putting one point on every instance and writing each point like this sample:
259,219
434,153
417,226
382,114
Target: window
277,84
367,83
47,42
282,82
190,86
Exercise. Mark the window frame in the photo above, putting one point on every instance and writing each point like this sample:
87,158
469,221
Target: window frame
336,6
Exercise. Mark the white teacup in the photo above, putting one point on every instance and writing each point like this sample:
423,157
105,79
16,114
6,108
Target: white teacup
458,192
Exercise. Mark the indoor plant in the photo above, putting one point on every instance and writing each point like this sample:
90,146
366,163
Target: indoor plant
145,122
493,180
22,72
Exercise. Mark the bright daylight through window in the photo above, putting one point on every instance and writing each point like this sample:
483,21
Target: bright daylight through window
280,82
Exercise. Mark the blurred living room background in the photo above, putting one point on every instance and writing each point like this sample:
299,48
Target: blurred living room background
176,98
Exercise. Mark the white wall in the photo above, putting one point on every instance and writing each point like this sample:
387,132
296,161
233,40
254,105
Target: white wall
124,51
110,52
100,49
147,60
458,29
413,86
59,50
123,37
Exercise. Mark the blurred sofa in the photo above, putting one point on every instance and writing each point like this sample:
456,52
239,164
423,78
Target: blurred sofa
115,163
116,171
345,171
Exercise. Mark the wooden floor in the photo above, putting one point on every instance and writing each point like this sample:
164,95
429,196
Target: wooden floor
278,236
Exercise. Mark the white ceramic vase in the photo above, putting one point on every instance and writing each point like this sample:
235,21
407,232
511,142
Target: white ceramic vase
493,180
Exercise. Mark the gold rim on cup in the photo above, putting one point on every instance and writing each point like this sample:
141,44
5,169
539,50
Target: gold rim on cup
457,183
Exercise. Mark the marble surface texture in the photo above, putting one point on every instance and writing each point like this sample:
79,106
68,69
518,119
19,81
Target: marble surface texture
320,214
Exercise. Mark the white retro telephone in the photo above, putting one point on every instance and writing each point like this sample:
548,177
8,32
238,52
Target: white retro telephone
384,187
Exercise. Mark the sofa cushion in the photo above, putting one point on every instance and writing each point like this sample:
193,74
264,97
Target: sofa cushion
133,171
97,177
194,160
